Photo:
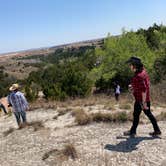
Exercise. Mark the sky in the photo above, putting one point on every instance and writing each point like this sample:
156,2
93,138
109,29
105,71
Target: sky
27,24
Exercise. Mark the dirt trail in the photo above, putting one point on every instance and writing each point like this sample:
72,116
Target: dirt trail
96,144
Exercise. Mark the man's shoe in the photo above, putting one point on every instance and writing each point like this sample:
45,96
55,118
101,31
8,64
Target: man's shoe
128,133
155,133
20,126
24,124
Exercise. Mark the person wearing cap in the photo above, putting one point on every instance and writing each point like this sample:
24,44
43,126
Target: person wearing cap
140,87
19,104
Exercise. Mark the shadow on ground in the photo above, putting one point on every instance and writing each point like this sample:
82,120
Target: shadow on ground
128,145
37,125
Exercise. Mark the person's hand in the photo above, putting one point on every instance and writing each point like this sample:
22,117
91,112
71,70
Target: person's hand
130,88
9,105
27,109
144,106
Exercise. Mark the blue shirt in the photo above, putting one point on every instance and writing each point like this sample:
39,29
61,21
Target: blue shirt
18,101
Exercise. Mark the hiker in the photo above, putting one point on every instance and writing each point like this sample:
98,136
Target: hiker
140,87
117,91
19,105
3,108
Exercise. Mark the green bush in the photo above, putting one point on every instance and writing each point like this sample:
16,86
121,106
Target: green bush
5,83
160,68
69,79
114,54
31,92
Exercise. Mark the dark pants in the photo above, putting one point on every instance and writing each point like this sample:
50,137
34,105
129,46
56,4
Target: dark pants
20,115
117,96
3,108
136,114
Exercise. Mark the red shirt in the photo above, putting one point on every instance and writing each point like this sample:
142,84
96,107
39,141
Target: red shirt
141,83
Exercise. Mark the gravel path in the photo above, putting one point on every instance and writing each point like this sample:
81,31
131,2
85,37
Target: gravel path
96,144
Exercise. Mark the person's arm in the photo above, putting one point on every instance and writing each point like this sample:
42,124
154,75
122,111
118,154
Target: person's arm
144,94
25,102
144,103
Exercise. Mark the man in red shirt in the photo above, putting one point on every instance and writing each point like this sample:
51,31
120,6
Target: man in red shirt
140,87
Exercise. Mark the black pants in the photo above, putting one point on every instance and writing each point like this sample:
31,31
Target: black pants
3,108
136,114
117,96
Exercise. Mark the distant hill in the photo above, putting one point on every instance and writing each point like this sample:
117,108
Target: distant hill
48,50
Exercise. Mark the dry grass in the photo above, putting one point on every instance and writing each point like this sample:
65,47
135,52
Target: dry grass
158,93
37,125
107,101
81,118
47,154
63,111
109,106
125,106
162,116
120,117
62,155
9,131
101,117
88,101
70,151
108,117
55,117
43,103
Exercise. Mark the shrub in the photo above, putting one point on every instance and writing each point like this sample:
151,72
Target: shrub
125,106
160,69
120,117
81,118
70,151
64,154
102,117
69,79
31,93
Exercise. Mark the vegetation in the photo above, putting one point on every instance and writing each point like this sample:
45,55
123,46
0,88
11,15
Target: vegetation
74,72
68,152
5,82
83,118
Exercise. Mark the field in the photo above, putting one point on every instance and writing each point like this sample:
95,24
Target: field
59,133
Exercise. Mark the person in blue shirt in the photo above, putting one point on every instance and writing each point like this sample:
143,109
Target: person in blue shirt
19,104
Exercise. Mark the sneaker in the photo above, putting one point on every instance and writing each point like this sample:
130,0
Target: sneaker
155,133
128,133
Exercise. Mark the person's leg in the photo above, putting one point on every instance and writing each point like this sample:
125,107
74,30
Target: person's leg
136,114
17,115
3,108
152,119
116,97
23,116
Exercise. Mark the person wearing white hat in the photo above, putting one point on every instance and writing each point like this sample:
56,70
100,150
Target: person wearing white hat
19,104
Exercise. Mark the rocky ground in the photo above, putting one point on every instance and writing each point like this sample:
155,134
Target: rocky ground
42,143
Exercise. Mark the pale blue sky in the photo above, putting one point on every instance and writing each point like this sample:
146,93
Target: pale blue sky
26,24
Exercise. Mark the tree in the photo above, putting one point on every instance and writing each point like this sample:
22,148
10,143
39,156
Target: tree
116,51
